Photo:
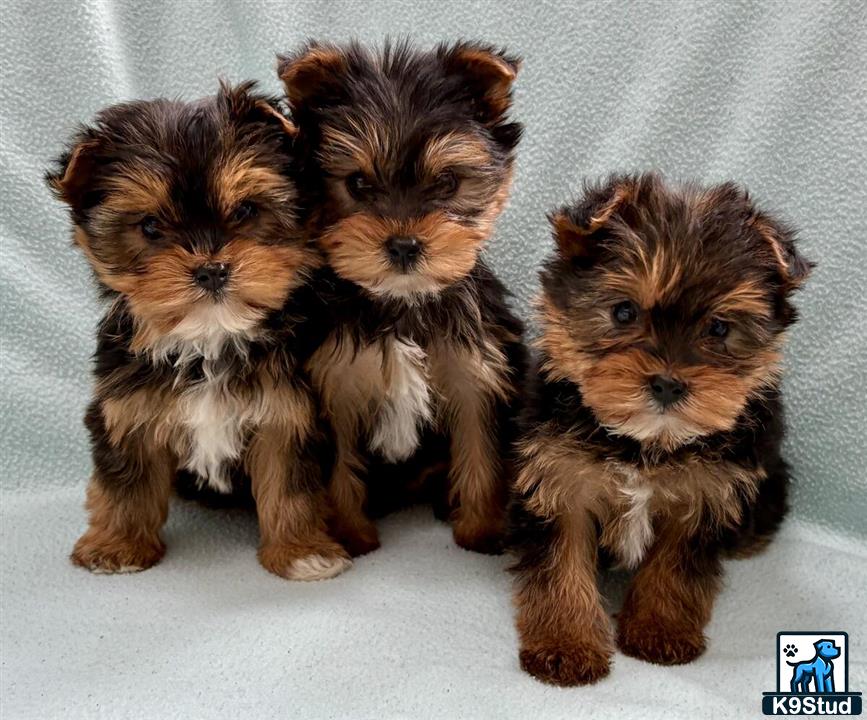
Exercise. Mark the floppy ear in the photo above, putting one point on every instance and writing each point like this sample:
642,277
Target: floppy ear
490,73
74,179
270,113
314,72
244,104
577,228
793,268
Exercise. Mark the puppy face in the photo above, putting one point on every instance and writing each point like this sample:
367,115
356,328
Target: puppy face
667,306
409,158
186,210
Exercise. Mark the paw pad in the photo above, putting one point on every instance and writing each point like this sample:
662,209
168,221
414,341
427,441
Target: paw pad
790,650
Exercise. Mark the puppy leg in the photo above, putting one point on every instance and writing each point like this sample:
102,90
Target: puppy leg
477,486
287,485
474,384
127,499
350,524
670,600
564,632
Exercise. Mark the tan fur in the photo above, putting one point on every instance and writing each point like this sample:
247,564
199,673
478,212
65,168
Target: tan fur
123,532
668,603
288,126
76,170
241,178
490,65
353,151
163,295
564,353
794,272
469,381
143,410
614,385
356,249
292,525
454,148
354,385
279,419
564,478
565,634
305,73
573,239
138,191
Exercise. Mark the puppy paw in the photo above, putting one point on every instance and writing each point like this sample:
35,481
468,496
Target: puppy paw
108,555
566,664
652,641
296,562
359,540
479,536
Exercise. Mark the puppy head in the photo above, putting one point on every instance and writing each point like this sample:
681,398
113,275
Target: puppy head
667,306
409,157
185,209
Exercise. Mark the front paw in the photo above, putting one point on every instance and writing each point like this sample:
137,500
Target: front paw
567,663
481,536
106,554
319,561
358,540
650,639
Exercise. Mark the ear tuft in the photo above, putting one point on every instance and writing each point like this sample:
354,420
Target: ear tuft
577,228
793,268
72,180
490,72
573,242
273,114
312,72
243,103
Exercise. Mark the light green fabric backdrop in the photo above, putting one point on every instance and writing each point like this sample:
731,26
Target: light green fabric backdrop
770,94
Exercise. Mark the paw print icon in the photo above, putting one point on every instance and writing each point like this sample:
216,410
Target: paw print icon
790,650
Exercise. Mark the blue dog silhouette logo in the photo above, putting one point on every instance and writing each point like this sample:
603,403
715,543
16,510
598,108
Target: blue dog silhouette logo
819,671
812,676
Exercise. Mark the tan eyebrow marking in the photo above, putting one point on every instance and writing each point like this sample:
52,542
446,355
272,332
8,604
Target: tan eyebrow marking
239,177
454,149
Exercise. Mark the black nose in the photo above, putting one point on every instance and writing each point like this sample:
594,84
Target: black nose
666,391
403,251
211,277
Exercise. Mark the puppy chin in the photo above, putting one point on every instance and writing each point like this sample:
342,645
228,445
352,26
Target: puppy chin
410,288
208,328
665,429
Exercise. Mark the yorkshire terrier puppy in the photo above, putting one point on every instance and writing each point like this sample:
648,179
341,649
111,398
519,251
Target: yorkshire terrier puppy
406,159
186,214
655,425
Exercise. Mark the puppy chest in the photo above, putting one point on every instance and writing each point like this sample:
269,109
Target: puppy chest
628,529
693,494
381,391
215,421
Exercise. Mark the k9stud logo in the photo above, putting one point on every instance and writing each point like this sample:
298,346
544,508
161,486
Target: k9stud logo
812,676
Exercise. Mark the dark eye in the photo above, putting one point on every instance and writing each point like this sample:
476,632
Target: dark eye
447,183
245,211
150,227
625,312
358,186
718,328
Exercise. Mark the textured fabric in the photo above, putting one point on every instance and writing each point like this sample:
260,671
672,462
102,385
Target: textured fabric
769,94
419,629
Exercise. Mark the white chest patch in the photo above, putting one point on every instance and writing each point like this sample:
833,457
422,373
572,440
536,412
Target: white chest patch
216,424
638,530
636,525
407,404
